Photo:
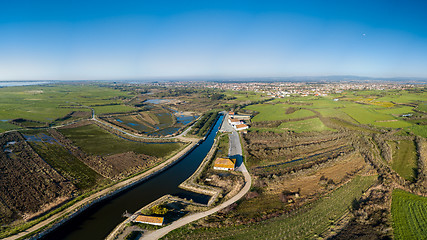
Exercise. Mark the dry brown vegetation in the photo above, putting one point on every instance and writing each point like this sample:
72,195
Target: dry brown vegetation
266,148
314,181
116,166
27,183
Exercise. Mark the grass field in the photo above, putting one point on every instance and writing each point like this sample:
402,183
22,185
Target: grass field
5,126
378,113
97,141
420,130
46,103
270,112
422,107
404,97
99,110
308,222
67,165
245,96
405,159
365,114
309,125
409,215
396,110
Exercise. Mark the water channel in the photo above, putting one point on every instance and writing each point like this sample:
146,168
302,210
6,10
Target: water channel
99,220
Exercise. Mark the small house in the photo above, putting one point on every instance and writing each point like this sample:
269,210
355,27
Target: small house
231,113
224,164
239,127
149,220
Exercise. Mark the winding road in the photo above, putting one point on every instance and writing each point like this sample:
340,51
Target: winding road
235,151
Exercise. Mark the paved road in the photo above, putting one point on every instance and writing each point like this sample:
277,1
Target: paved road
235,150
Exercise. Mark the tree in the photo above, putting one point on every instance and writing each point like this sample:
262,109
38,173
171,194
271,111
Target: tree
159,210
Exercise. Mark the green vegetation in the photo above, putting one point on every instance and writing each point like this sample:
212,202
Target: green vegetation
157,210
68,165
46,103
94,140
422,107
405,159
242,96
5,126
396,110
409,215
133,235
203,125
308,125
99,110
404,97
307,222
420,130
272,112
366,114
365,107
223,146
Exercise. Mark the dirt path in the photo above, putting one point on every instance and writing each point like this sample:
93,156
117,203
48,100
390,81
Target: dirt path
235,151
93,197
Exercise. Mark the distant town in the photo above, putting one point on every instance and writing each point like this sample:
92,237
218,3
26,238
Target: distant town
286,89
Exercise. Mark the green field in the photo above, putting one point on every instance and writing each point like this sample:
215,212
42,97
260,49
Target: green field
422,107
245,96
308,125
273,112
99,110
405,159
372,112
5,126
45,103
94,140
67,165
420,130
409,215
396,110
307,222
404,97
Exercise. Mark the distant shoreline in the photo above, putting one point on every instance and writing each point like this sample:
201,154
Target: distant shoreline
22,83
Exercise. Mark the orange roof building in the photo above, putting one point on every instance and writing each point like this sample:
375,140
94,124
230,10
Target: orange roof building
224,164
234,122
241,127
149,220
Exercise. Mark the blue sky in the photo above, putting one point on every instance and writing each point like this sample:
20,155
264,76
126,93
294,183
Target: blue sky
65,40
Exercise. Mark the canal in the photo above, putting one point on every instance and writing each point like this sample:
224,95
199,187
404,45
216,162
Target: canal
99,220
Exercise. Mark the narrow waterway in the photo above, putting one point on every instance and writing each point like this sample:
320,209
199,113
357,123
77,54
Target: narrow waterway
99,220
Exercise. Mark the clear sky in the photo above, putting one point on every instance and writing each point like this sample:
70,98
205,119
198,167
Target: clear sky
73,39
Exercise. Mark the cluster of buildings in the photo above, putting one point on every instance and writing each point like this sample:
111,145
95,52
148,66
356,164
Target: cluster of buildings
238,121
287,89
279,89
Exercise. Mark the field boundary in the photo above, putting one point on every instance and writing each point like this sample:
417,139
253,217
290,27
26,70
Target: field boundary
104,194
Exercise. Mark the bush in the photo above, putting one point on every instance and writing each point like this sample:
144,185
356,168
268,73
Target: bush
159,210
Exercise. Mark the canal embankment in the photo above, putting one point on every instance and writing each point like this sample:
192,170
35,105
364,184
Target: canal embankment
97,221
60,218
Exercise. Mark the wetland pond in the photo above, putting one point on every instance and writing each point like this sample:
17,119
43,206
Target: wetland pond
165,125
100,219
